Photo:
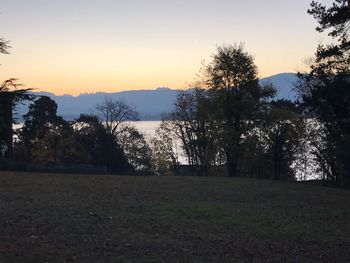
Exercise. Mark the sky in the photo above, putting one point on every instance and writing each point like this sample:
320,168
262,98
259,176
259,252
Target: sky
85,46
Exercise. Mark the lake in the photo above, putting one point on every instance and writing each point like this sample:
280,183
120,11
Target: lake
148,128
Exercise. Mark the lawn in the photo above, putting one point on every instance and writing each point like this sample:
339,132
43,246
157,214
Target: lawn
81,218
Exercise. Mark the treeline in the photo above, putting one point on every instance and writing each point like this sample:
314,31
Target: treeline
226,121
229,119
98,143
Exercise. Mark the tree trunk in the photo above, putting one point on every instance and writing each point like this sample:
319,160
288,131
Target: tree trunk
6,133
232,165
277,162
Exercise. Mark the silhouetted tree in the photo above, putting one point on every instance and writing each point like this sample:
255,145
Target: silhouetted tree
164,155
273,149
282,132
41,119
190,123
238,99
114,113
99,146
325,91
10,96
136,150
46,136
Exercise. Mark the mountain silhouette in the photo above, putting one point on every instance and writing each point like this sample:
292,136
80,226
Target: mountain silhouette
149,103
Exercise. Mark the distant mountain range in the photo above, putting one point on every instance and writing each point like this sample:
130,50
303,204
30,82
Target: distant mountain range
149,103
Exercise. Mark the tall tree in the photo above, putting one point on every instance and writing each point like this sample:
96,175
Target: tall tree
10,96
325,91
238,98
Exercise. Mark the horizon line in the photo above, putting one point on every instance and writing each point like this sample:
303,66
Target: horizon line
35,90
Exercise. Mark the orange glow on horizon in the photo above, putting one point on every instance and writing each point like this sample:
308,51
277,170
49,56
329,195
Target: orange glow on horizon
107,75
85,46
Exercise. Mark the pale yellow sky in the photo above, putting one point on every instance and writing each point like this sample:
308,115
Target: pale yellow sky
73,47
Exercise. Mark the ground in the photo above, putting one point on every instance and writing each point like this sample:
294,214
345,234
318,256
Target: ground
81,218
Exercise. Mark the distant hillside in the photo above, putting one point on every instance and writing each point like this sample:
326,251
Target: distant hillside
149,103
284,83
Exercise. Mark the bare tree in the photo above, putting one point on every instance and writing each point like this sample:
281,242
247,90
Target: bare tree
114,113
191,124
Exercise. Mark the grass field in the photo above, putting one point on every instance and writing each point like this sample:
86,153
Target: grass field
72,218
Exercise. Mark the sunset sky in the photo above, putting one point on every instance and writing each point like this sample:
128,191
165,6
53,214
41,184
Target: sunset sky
77,46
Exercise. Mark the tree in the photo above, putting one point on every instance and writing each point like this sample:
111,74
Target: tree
10,96
325,91
115,113
41,119
333,58
190,123
164,155
136,150
274,149
57,146
282,132
99,147
46,136
238,99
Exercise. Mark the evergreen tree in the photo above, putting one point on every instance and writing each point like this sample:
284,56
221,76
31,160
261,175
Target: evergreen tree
44,133
325,91
10,96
